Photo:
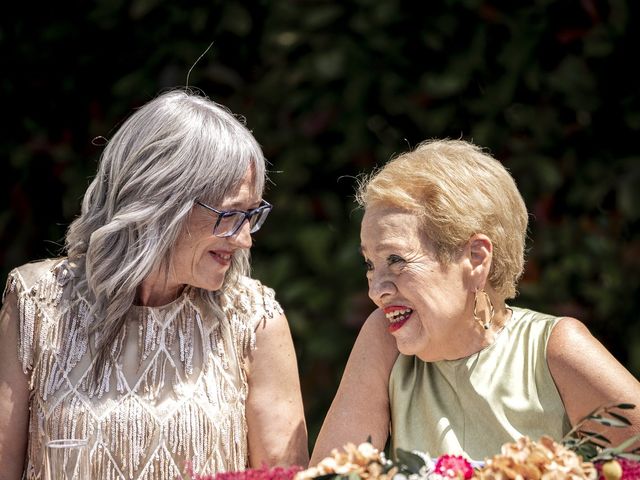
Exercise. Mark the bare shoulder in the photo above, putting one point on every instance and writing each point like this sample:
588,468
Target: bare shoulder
569,332
259,302
586,374
572,346
273,343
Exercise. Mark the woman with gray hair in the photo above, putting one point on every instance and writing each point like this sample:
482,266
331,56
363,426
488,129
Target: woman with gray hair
444,365
149,340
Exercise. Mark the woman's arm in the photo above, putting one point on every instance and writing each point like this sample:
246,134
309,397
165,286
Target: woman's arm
14,395
275,414
360,408
589,377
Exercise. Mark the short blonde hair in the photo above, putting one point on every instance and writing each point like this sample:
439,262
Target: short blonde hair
458,190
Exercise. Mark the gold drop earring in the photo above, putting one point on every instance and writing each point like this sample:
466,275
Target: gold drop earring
487,301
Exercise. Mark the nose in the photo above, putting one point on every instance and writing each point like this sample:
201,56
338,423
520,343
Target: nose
380,287
242,238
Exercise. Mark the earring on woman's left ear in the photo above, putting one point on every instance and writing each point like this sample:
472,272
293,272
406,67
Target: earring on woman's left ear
488,306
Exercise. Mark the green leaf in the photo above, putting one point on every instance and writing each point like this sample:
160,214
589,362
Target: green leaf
328,476
587,451
627,443
609,422
595,435
409,461
387,466
620,417
595,444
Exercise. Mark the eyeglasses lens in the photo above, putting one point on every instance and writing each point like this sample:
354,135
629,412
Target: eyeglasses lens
228,224
258,219
231,222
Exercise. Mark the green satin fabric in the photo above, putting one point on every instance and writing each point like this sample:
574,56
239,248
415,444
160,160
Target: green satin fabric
476,404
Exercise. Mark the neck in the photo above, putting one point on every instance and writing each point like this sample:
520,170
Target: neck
500,318
480,338
157,290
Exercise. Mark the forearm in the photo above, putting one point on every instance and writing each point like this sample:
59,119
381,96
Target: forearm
275,415
360,409
348,423
14,397
13,434
284,446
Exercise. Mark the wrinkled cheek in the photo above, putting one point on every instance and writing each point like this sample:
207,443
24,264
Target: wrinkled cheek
194,261
423,329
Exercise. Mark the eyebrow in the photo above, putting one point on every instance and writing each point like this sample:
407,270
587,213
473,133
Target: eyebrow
381,247
238,206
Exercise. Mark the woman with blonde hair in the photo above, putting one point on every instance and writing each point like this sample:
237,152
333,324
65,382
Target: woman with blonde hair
149,341
444,364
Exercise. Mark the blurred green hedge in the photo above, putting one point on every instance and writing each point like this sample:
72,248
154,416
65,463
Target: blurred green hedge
334,89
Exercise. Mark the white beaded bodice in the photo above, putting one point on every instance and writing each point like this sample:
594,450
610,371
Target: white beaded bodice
175,394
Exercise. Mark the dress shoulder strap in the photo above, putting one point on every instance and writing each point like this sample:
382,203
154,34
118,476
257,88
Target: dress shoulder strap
37,286
254,305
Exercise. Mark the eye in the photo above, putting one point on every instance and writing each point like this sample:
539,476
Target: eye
394,259
368,265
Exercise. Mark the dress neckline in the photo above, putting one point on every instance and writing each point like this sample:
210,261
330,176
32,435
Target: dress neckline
498,337
188,292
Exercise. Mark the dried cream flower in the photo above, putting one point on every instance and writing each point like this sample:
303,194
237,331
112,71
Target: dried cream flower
543,460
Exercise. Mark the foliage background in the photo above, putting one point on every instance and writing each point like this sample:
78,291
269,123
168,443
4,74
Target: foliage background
333,89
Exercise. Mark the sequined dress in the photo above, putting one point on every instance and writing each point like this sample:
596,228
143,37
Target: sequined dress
176,393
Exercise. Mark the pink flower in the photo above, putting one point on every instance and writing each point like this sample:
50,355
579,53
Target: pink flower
264,473
454,466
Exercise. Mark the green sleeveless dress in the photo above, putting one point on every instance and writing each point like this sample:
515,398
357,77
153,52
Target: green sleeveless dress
474,405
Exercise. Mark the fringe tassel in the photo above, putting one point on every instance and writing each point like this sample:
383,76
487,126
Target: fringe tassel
139,438
186,333
27,309
128,433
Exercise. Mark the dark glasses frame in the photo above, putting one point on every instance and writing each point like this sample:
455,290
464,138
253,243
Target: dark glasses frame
264,208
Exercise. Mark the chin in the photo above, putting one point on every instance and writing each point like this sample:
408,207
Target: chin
410,347
405,349
211,284
215,286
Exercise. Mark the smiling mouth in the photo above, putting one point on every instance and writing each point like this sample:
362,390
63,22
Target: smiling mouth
397,317
222,258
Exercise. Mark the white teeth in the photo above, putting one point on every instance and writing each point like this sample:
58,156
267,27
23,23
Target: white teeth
397,314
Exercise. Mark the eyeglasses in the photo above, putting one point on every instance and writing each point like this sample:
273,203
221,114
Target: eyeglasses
230,221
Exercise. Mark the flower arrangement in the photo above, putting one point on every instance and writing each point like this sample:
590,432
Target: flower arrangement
523,459
264,473
581,455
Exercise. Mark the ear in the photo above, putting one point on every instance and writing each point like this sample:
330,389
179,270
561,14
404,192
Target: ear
480,250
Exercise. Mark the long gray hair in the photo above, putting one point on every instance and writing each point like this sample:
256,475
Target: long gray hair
178,148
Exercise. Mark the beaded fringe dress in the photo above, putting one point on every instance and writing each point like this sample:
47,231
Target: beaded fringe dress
175,394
